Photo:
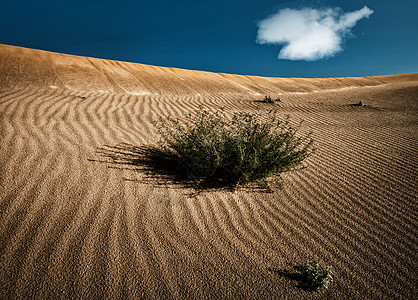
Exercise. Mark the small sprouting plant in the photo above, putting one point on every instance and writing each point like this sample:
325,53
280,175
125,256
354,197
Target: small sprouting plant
315,276
268,99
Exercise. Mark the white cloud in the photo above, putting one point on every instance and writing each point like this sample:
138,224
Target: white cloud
309,34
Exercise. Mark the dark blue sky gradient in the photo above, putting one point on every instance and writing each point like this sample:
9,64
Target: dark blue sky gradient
217,36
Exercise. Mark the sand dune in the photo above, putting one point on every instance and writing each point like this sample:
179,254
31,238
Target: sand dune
73,225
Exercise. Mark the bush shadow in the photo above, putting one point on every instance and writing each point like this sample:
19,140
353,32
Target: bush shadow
295,274
159,168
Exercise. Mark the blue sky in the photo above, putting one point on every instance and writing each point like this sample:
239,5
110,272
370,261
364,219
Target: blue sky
216,35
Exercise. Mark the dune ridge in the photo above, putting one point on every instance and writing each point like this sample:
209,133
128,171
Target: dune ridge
75,225
22,66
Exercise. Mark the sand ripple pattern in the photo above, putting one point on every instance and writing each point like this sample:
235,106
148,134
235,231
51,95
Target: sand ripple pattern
76,226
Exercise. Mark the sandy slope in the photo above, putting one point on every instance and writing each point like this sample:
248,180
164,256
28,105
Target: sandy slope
72,226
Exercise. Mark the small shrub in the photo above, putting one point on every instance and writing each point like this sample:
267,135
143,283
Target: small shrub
247,148
315,276
268,99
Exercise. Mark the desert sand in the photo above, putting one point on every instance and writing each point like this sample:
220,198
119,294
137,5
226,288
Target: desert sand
74,224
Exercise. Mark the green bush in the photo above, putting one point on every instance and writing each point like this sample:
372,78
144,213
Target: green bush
268,99
315,276
247,148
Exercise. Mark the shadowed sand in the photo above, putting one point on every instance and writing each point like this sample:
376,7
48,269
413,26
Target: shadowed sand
73,224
